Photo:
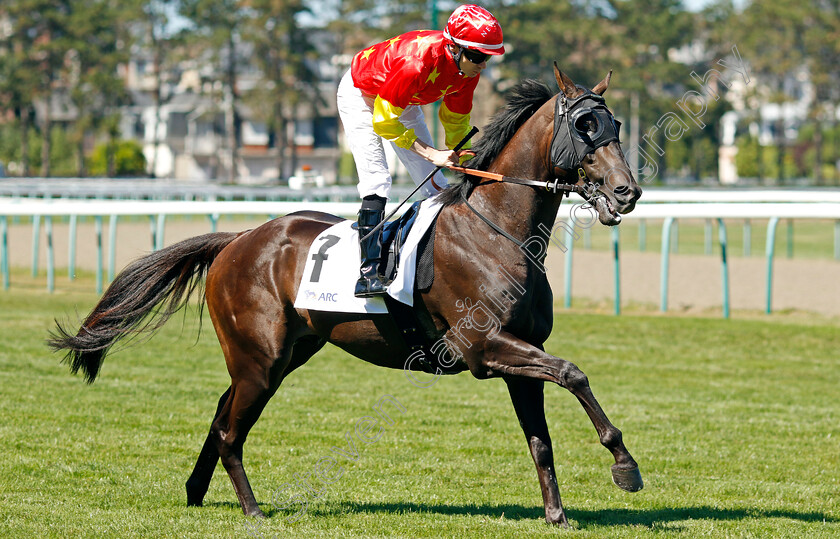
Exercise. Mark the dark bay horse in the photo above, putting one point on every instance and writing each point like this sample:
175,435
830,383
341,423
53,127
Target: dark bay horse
252,281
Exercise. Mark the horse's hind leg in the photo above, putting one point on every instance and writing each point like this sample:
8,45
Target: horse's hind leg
253,383
527,397
199,480
247,399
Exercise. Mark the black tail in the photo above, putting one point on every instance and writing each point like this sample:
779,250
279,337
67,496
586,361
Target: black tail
173,272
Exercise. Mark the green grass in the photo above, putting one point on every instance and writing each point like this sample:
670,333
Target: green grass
735,425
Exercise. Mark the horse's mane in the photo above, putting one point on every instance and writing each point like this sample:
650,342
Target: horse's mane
521,102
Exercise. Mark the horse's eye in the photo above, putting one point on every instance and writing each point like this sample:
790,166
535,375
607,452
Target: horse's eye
587,124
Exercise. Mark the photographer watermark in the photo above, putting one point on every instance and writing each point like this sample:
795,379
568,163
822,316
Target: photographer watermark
328,469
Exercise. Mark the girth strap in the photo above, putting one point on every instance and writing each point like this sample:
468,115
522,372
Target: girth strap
418,332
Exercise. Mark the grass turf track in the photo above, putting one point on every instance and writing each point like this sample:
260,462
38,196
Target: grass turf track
735,425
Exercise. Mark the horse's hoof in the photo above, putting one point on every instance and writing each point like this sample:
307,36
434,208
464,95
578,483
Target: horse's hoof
256,513
629,480
195,494
557,518
194,500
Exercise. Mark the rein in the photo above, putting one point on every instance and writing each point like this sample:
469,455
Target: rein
554,187
586,191
584,187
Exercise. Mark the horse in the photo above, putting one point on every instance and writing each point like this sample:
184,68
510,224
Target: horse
250,281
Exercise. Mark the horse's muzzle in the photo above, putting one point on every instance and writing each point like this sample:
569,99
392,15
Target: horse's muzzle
624,197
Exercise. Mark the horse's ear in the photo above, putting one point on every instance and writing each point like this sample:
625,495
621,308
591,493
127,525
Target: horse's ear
567,86
601,87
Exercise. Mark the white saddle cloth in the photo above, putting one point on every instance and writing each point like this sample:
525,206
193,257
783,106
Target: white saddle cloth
332,268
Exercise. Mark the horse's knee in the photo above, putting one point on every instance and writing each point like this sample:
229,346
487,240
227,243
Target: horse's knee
482,371
224,440
482,366
573,378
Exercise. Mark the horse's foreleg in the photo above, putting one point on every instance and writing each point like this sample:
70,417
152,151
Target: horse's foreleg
506,355
527,397
205,465
625,471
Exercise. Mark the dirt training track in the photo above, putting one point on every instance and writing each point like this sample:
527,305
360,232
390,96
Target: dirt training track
694,284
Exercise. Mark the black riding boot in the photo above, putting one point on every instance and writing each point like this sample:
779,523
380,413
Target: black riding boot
369,284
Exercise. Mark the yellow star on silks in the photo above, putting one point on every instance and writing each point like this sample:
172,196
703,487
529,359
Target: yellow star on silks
421,41
433,76
443,92
393,40
367,52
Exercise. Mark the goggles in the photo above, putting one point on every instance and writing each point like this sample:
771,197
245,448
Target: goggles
475,57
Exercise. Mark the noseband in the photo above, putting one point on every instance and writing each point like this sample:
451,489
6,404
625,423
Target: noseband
589,125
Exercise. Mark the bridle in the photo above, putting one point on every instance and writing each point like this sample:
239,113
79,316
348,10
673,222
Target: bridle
568,148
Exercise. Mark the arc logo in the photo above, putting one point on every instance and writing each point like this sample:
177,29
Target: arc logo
321,296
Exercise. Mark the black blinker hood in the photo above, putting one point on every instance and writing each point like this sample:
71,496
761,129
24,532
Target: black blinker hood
569,146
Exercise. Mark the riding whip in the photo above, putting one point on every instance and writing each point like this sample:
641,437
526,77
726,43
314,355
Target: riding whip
457,147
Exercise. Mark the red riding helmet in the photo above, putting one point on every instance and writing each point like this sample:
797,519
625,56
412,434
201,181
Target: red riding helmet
473,27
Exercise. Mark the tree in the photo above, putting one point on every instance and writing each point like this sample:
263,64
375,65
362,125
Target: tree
356,26
822,43
17,85
118,158
96,43
159,41
39,36
786,40
541,32
287,59
217,26
588,38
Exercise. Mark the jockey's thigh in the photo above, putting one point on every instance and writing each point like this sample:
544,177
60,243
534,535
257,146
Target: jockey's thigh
356,115
418,168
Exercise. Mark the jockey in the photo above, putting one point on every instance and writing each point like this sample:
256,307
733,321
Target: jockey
380,98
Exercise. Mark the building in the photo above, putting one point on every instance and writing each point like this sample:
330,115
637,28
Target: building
187,136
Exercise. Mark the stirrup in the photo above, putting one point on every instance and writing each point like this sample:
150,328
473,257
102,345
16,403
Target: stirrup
369,287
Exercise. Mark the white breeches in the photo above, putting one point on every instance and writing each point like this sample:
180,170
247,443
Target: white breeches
356,113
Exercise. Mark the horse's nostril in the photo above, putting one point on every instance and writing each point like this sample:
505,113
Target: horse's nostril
621,190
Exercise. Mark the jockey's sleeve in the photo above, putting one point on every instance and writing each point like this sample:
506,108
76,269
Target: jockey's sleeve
454,114
386,123
456,126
